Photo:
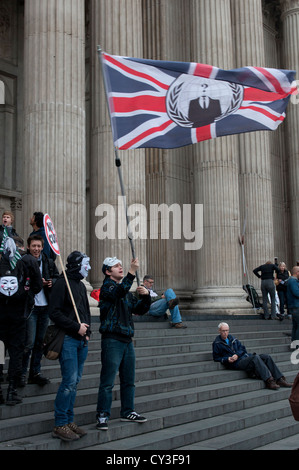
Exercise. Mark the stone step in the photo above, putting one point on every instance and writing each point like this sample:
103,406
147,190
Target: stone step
232,431
160,416
177,385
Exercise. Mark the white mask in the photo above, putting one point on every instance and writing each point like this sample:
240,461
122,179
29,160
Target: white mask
9,285
85,266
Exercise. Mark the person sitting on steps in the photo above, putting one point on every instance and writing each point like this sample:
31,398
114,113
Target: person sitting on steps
230,352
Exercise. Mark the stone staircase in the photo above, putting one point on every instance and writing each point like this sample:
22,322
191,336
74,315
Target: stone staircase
190,401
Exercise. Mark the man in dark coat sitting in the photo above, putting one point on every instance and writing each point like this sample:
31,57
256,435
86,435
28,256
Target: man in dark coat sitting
233,355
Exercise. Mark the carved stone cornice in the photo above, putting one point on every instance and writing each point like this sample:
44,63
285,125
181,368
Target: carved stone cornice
289,6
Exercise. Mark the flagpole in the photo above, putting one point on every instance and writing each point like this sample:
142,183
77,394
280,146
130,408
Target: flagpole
118,166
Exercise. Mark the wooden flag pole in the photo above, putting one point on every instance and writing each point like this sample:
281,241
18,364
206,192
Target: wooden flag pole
69,289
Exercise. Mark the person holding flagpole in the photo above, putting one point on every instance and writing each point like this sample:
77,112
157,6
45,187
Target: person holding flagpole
75,345
117,305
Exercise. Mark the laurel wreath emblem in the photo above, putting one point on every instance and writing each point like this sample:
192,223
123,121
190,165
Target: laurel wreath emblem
173,111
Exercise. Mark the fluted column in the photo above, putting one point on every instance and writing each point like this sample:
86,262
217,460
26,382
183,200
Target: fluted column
116,27
278,154
290,20
219,280
254,148
169,172
54,118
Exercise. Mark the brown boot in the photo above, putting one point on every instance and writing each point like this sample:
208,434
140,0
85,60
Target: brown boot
271,384
64,433
178,325
283,383
77,430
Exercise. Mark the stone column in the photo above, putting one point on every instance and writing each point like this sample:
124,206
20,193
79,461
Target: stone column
278,154
290,20
219,268
116,27
169,178
254,148
54,118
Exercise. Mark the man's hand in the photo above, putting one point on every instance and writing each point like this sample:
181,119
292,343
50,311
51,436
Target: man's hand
83,329
134,266
47,283
233,358
141,290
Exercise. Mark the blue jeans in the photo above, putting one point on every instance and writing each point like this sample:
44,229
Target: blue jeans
36,326
72,358
159,307
117,356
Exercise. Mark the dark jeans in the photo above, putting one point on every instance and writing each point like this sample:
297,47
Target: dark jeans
72,357
262,365
268,287
36,325
295,321
117,356
12,333
282,300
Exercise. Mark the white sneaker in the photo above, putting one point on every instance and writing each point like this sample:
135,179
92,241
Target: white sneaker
134,417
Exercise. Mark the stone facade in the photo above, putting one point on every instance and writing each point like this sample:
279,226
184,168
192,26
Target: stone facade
57,154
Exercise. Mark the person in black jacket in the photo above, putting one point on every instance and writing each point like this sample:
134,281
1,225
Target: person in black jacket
117,305
281,287
38,318
75,345
17,287
267,287
230,352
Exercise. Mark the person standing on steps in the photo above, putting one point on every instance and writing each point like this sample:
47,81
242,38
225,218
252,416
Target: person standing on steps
117,305
267,286
38,318
293,302
75,346
18,285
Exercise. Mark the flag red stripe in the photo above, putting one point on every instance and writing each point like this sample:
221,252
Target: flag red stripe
271,79
265,112
203,70
254,94
146,134
203,133
135,72
143,103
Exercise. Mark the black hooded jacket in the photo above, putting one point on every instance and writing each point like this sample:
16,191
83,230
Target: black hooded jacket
29,284
61,310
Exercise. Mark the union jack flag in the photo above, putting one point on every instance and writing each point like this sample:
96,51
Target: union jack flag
161,104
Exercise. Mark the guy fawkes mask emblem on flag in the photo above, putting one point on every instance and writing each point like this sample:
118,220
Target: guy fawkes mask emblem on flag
196,101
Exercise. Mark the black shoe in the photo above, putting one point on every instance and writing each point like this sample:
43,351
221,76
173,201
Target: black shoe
1,397
134,418
12,396
102,422
38,379
21,381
